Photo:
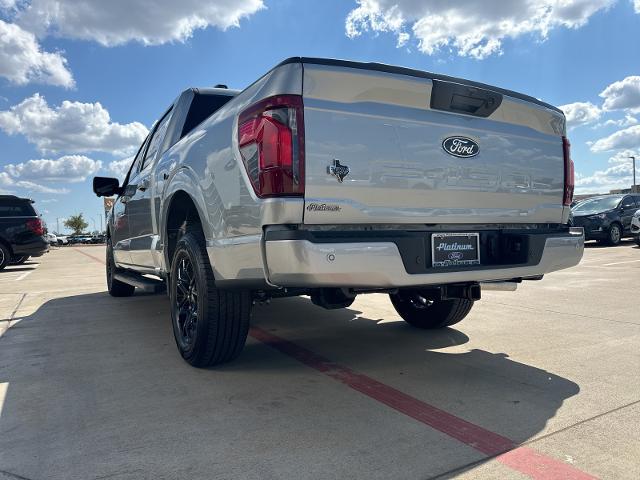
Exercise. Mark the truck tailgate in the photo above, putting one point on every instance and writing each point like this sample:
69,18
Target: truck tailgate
386,147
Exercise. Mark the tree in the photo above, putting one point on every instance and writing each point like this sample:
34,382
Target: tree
76,223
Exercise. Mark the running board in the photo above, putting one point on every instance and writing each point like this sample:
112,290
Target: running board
141,282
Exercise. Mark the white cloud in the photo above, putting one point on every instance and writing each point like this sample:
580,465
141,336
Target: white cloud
468,27
580,113
70,168
115,22
22,60
627,121
623,94
7,181
636,5
618,175
37,188
121,167
7,4
71,127
626,138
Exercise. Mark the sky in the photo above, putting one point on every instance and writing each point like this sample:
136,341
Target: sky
82,81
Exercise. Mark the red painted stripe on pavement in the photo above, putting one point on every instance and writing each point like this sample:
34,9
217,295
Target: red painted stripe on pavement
521,459
97,259
539,466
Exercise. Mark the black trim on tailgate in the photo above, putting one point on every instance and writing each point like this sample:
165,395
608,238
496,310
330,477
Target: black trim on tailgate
499,248
381,67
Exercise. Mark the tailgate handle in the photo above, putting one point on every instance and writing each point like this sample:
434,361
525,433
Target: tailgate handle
459,98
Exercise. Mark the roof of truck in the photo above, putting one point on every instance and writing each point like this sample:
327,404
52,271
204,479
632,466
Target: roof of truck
383,67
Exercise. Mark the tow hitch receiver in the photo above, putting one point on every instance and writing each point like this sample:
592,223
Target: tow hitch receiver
469,291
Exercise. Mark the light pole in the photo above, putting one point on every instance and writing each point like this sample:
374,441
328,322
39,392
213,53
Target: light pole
633,187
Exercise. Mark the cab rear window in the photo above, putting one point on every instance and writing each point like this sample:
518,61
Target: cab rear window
202,107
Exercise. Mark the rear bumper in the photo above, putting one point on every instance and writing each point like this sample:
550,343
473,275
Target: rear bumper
33,248
380,264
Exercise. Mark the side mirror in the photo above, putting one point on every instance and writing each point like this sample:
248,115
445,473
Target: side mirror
106,186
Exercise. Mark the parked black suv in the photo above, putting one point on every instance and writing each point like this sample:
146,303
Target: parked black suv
606,218
21,231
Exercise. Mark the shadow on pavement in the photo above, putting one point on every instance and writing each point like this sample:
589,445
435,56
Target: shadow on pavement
95,387
21,268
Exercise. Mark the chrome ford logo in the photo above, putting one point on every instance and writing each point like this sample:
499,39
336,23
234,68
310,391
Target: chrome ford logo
455,256
462,147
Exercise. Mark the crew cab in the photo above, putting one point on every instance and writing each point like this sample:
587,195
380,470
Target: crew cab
21,231
331,179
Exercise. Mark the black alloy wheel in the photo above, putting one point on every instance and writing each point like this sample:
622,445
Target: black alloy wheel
185,303
210,324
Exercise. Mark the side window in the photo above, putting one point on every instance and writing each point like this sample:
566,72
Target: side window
156,139
135,165
627,202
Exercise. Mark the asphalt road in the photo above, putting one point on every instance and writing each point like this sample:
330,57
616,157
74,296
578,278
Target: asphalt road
540,383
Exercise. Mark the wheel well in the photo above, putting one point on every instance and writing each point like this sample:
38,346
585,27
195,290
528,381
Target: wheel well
182,212
6,244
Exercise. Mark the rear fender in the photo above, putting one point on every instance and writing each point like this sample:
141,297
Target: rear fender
184,179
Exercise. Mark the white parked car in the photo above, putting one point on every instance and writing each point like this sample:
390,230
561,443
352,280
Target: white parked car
635,226
51,239
62,240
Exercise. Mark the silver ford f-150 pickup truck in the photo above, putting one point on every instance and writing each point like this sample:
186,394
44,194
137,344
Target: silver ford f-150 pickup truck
332,178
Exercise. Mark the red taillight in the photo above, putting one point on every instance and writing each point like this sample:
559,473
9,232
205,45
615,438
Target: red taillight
569,173
36,225
271,142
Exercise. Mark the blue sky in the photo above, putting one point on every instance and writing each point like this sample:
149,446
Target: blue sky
55,65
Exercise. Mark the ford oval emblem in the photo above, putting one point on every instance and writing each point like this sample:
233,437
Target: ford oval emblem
462,147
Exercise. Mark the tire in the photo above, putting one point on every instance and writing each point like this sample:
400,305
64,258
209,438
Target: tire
116,287
5,256
637,240
19,260
210,325
429,314
615,234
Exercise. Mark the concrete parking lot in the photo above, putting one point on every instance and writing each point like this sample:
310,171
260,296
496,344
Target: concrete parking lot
541,383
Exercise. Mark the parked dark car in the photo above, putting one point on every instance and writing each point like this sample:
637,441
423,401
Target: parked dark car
21,231
79,239
98,239
606,218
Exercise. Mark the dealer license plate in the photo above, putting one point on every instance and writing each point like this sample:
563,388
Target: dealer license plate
455,249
